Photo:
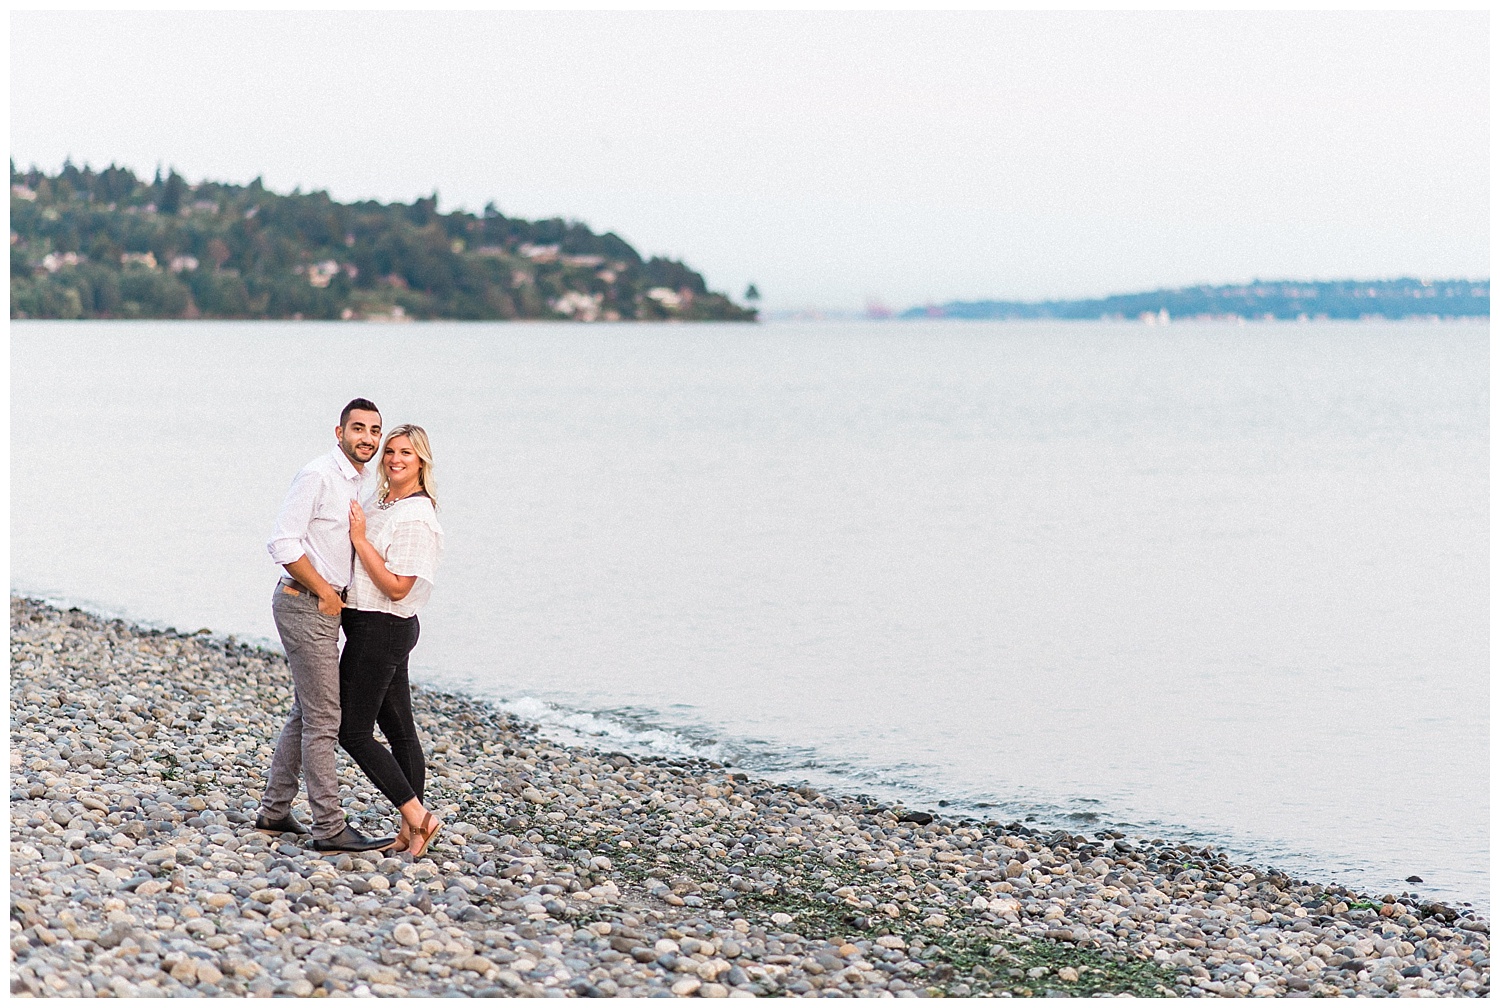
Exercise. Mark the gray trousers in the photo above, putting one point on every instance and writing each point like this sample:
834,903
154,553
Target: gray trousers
309,740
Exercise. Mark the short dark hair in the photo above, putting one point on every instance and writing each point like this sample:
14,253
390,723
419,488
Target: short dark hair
354,404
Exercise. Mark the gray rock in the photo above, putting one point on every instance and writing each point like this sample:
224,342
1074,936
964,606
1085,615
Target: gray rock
685,866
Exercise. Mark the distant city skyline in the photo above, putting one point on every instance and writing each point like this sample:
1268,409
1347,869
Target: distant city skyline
831,158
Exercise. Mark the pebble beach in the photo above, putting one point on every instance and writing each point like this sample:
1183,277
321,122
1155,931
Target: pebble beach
137,758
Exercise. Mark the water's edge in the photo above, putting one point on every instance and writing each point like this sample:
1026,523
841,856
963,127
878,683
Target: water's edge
645,734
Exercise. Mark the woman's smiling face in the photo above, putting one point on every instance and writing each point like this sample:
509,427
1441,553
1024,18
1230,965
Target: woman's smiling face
403,467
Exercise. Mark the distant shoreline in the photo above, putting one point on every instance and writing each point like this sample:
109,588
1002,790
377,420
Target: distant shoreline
835,315
1259,300
107,244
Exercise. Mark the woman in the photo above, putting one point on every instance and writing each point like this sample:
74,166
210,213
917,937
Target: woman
396,554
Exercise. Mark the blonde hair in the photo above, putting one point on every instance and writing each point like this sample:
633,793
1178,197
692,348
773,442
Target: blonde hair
418,438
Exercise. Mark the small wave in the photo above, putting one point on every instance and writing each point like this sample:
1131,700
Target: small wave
644,733
598,729
918,786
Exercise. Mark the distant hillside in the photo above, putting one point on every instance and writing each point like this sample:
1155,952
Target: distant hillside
1283,299
106,244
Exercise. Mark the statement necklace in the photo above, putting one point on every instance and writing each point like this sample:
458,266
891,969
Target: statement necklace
384,504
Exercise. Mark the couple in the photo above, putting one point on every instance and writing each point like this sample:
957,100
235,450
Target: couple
368,573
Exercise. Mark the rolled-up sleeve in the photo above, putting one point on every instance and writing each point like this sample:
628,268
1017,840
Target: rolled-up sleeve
292,521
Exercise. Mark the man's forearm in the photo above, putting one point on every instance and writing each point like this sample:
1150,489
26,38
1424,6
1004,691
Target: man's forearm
302,570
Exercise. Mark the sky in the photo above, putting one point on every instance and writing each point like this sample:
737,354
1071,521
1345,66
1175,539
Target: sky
832,158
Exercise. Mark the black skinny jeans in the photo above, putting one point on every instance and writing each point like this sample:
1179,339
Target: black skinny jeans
373,688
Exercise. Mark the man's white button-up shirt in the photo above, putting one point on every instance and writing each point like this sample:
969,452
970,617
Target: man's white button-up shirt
314,518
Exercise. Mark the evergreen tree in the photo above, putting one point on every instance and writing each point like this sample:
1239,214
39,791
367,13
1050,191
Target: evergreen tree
172,193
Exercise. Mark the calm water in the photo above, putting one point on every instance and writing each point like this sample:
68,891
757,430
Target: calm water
1212,582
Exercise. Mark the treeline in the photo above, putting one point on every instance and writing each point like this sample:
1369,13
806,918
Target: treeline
1342,299
108,244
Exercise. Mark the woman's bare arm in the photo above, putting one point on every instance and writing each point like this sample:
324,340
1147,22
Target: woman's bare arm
395,586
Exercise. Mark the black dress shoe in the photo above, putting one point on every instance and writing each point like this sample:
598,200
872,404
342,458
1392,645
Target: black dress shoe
276,827
353,841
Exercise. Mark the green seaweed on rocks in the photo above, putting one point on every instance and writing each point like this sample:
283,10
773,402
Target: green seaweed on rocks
955,961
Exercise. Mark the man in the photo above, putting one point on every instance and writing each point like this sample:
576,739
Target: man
311,542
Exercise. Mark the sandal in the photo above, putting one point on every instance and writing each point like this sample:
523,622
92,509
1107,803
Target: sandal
422,836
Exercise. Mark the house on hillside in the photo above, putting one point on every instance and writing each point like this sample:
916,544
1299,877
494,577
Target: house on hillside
579,306
320,274
52,261
539,253
666,297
